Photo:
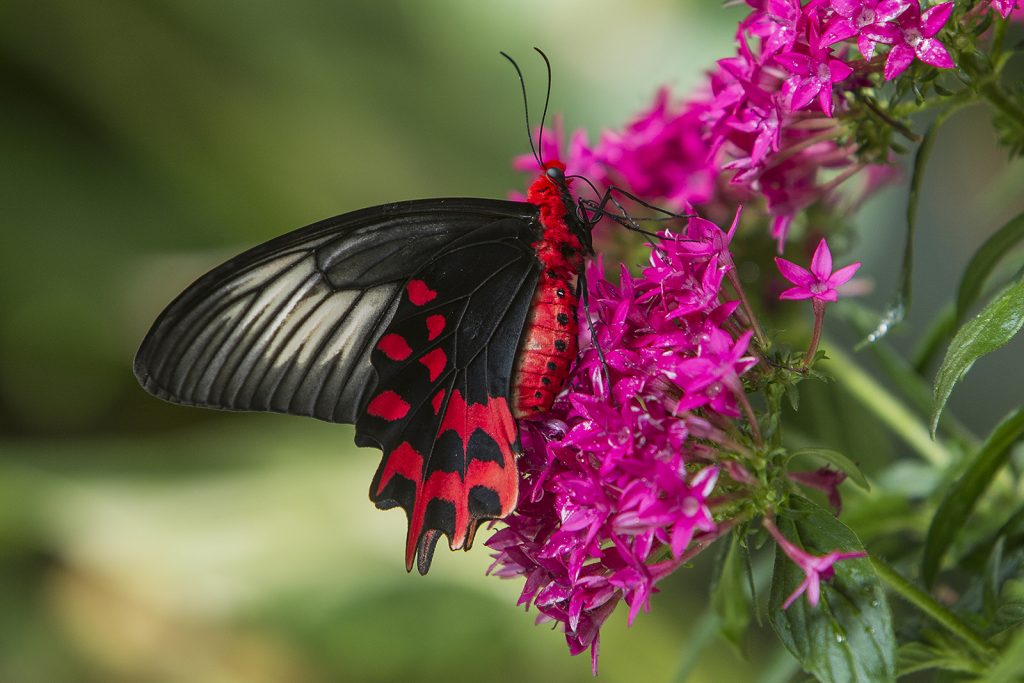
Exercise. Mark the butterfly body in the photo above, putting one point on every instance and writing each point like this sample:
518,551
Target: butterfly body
431,325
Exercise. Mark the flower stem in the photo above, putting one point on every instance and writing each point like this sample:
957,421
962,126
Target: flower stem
886,408
927,604
755,429
819,319
896,125
999,100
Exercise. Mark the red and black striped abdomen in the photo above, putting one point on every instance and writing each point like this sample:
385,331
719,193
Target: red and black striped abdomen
548,348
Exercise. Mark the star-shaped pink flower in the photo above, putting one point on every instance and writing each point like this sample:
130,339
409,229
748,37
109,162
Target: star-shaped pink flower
913,35
815,567
812,75
819,282
857,18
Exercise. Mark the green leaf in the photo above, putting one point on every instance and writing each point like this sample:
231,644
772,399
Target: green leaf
914,657
992,328
1010,667
897,307
984,262
837,460
848,636
964,492
1010,612
729,597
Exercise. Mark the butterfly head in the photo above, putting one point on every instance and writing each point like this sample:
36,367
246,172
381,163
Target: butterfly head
550,192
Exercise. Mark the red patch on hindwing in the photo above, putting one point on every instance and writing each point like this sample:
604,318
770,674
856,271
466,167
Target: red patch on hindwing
394,346
435,326
435,362
437,401
498,476
388,405
419,293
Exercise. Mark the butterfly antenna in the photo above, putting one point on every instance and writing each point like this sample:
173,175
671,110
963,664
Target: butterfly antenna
526,107
547,99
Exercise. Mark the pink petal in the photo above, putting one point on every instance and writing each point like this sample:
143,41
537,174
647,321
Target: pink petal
821,262
887,10
735,224
839,29
935,18
931,51
825,100
839,69
796,594
828,295
866,46
796,293
795,63
843,275
847,8
813,588
780,228
794,273
900,57
883,33
804,93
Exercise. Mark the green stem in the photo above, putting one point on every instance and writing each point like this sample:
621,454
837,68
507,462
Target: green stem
886,407
999,35
951,102
927,604
999,100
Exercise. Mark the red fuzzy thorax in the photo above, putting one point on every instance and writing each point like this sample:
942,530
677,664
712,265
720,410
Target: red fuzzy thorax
549,343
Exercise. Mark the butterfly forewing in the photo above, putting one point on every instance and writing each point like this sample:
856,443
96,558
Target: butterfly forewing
289,326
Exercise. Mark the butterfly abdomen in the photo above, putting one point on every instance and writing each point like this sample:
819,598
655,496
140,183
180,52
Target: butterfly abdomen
549,343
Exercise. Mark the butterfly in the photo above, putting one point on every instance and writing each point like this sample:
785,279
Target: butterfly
431,325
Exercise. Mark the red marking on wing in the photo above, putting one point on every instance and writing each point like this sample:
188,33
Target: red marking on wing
389,406
493,418
435,362
437,401
435,326
394,346
419,293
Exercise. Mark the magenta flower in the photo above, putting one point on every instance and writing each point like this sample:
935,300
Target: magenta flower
812,76
819,282
661,154
913,36
824,479
815,567
859,18
1005,7
778,23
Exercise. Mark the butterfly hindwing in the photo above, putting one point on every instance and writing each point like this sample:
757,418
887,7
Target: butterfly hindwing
440,410
289,326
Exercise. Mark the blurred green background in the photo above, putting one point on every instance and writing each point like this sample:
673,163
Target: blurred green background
143,142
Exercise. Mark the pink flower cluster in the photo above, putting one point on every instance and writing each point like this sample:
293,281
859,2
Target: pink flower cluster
660,154
765,119
618,480
770,119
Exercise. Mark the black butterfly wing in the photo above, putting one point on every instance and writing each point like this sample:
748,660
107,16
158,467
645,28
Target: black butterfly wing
441,408
403,319
288,326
